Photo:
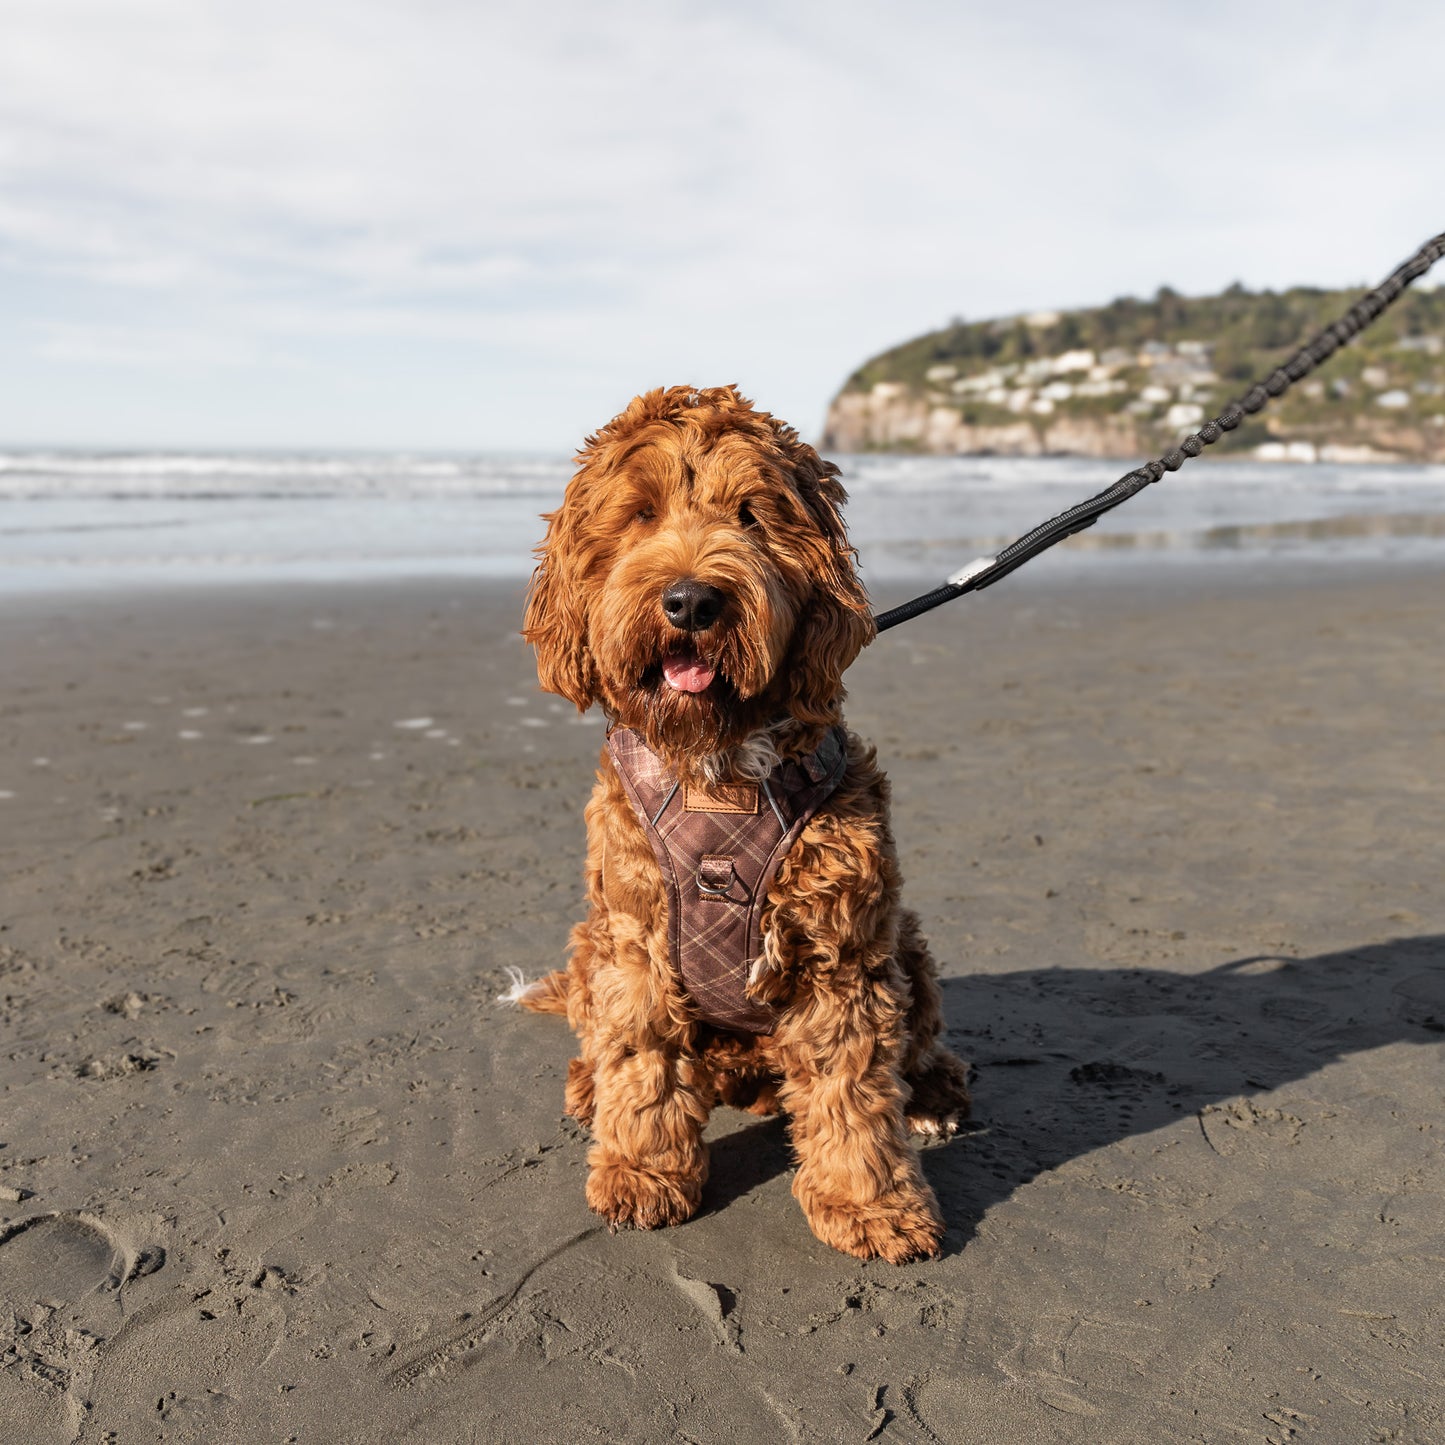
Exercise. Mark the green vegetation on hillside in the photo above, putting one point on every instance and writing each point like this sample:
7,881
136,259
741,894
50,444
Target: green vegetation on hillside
1162,366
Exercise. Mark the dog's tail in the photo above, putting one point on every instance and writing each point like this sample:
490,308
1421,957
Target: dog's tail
548,995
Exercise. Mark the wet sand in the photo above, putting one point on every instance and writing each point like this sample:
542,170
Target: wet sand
274,1164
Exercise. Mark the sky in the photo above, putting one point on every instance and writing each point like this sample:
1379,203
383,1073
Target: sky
451,225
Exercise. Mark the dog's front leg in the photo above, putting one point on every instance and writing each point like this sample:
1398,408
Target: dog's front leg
648,1162
858,1181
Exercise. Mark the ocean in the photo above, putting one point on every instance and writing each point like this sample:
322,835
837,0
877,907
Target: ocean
86,521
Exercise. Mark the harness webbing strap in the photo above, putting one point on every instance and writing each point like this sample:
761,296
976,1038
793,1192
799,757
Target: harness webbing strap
1083,515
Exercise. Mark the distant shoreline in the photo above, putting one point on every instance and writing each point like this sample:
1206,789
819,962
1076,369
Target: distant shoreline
911,517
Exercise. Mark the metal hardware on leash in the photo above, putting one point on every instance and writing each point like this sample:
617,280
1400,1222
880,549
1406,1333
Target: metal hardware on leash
985,571
976,568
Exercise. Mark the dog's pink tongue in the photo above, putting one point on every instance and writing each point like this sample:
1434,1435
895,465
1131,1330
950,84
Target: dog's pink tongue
687,672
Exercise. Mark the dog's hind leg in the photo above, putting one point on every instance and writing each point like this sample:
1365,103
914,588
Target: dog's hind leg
938,1100
572,988
579,1101
936,1078
755,1090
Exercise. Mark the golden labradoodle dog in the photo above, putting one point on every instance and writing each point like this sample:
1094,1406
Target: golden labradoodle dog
744,942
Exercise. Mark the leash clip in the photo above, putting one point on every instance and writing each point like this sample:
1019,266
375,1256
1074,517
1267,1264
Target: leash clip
967,573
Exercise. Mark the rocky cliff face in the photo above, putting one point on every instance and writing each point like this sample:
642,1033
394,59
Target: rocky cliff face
870,421
1027,387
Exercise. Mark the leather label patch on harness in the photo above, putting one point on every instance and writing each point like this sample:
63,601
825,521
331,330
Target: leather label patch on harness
722,798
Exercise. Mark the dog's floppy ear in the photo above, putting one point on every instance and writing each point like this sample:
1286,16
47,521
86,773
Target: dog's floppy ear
836,622
556,618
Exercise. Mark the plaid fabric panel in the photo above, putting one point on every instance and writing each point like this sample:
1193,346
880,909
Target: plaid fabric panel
714,940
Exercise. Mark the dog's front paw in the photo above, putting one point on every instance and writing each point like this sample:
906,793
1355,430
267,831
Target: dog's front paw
644,1198
898,1227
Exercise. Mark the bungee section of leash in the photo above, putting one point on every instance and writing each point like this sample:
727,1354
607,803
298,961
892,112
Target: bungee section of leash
985,571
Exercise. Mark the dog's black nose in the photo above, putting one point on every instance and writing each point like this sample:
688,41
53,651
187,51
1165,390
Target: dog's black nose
691,605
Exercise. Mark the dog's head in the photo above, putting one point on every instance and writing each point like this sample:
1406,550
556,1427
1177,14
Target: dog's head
697,580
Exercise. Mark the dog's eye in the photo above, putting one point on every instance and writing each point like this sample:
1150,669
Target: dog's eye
746,517
643,514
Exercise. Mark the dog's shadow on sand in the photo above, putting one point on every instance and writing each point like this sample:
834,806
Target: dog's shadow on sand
1071,1059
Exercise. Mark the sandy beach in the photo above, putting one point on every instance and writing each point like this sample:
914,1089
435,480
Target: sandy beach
276,1166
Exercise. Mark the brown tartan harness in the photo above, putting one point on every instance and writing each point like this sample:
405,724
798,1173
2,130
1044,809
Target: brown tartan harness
719,849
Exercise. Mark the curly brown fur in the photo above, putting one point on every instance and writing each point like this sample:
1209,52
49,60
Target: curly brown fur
697,485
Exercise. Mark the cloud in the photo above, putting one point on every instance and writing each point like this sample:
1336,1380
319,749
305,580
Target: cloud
129,347
629,194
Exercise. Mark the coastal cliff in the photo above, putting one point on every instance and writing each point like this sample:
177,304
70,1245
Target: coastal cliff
1133,377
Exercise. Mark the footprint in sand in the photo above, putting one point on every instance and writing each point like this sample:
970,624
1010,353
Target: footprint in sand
60,1258
194,1368
1240,1123
56,1259
187,1364
61,1277
589,1303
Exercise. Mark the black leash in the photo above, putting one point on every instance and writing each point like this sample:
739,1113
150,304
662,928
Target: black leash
985,571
